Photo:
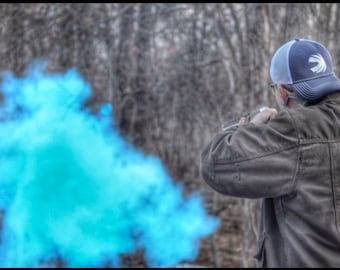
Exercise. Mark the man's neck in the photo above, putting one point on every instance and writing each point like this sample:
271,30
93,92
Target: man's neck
294,101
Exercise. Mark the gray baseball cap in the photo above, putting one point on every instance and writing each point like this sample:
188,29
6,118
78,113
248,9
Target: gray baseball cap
307,67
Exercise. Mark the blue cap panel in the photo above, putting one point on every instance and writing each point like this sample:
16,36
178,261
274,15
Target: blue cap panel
308,60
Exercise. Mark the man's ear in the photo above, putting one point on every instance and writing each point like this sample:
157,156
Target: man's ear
283,94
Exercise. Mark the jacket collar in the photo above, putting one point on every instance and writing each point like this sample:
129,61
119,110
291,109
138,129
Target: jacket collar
332,96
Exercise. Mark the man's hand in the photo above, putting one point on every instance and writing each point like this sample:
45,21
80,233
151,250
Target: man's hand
242,121
264,116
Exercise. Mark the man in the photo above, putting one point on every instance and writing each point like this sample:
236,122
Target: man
290,158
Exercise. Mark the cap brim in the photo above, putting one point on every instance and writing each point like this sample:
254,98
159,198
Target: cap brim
315,89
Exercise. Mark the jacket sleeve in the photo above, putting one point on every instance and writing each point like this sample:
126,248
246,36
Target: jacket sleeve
253,161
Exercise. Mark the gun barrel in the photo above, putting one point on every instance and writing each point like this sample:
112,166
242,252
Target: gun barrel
248,116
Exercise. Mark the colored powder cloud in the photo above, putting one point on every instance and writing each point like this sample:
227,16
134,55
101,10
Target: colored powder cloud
72,188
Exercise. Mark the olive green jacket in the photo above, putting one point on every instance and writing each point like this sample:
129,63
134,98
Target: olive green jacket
293,163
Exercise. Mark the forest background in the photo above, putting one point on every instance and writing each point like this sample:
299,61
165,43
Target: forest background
174,72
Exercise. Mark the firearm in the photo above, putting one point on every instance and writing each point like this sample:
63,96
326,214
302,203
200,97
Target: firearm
248,116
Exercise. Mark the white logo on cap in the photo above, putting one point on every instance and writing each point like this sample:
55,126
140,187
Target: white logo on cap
321,64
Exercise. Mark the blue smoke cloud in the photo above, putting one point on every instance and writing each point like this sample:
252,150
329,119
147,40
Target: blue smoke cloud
72,188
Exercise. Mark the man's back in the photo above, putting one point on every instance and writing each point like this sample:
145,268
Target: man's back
293,162
304,231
